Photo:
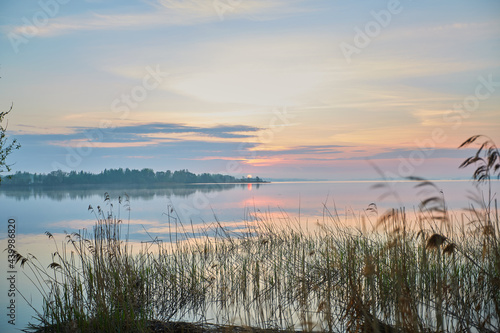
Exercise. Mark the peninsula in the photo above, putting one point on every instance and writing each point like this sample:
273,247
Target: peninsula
127,176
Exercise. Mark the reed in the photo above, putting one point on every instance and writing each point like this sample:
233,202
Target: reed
427,273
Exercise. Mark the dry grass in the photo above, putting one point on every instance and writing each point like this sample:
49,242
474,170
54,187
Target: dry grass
425,274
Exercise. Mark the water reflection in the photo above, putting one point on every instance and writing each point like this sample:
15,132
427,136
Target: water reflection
148,192
194,210
56,209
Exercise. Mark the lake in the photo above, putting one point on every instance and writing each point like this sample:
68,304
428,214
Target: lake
154,213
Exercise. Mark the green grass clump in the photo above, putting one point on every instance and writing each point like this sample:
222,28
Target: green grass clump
94,283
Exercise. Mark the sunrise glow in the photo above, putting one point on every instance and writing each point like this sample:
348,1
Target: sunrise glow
270,88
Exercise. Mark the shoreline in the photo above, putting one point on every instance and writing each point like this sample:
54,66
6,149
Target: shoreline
122,185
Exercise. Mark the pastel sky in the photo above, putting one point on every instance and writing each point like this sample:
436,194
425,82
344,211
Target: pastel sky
304,89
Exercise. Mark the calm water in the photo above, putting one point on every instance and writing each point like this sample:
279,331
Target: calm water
153,213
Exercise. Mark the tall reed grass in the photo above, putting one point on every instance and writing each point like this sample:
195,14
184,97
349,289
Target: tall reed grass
428,273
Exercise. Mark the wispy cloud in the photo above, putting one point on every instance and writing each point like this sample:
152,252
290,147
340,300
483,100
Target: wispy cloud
147,134
303,150
220,131
265,55
94,22
78,143
428,153
164,13
254,9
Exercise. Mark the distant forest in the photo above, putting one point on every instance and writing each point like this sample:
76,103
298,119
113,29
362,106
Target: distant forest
120,176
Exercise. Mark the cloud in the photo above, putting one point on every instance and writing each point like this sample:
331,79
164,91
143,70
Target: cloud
113,150
220,131
329,153
259,70
303,150
247,86
257,156
416,153
432,117
92,22
144,135
164,13
149,141
203,9
80,143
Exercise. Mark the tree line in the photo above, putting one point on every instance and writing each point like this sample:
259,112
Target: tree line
120,176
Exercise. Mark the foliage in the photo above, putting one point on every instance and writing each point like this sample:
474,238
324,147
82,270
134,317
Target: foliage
120,176
6,147
487,157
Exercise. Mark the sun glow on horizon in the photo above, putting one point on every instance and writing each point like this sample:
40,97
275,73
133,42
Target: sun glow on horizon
268,87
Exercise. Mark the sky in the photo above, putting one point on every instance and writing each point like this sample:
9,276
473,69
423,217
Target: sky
296,89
